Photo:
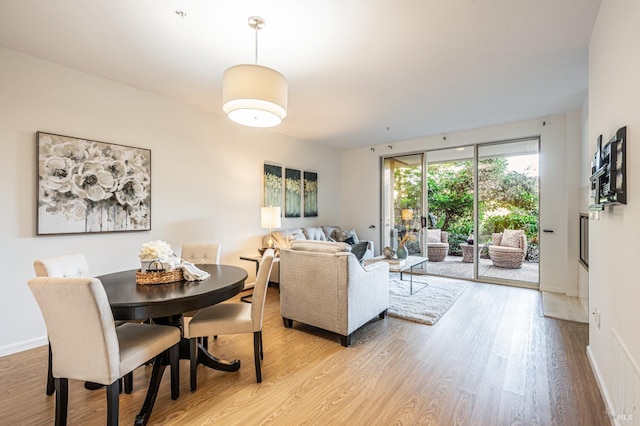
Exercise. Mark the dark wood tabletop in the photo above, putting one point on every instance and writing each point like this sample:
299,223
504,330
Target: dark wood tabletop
131,301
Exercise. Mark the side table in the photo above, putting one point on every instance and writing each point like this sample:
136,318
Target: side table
467,252
256,259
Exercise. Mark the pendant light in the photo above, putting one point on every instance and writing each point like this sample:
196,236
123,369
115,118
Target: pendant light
253,95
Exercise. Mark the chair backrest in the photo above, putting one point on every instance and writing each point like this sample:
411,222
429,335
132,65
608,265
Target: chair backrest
202,253
80,327
260,289
66,265
521,239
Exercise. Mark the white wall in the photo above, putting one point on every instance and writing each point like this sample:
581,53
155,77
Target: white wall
206,177
585,194
559,176
614,101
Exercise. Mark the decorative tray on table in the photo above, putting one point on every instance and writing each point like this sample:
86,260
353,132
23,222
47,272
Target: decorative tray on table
158,275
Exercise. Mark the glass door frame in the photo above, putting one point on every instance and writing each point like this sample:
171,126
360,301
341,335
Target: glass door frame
384,232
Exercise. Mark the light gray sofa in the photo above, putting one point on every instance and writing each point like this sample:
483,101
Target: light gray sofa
284,237
323,284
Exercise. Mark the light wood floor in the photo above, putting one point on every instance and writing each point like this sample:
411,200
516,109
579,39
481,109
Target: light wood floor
491,360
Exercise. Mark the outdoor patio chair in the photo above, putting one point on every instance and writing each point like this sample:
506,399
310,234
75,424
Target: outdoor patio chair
437,245
509,248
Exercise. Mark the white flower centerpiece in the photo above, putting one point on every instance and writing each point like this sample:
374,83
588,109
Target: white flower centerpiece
157,251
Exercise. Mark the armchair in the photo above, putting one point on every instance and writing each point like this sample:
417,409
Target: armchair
509,248
322,284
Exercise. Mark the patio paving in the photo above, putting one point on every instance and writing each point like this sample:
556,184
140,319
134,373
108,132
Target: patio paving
453,266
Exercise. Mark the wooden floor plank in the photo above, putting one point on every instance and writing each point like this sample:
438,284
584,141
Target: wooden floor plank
491,360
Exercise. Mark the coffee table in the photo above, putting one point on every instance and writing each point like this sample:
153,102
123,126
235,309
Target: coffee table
396,265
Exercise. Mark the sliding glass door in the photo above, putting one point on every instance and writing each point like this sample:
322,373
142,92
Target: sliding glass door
450,194
474,213
508,205
402,203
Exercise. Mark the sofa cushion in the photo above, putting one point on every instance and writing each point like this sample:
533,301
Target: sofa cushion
283,237
342,235
328,231
511,238
320,246
434,236
314,233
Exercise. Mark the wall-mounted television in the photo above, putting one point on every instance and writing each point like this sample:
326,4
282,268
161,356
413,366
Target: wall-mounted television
609,171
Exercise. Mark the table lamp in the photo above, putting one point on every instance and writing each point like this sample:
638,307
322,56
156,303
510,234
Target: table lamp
270,218
407,216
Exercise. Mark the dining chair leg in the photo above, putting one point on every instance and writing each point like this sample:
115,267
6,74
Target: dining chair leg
113,403
128,383
256,355
51,387
62,401
193,362
261,346
174,361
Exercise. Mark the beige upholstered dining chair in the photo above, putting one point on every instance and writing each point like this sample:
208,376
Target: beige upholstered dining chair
202,253
233,318
68,265
86,344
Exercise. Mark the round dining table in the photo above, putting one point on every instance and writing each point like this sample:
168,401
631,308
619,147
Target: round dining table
131,301
165,304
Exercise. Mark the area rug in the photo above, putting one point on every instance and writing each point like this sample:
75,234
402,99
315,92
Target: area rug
560,306
427,304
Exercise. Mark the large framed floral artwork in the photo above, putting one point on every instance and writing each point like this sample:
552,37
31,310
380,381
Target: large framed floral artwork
86,186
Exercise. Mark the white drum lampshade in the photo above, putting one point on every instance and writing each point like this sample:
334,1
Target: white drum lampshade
253,95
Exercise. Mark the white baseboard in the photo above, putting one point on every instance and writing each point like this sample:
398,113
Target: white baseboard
602,385
552,289
23,346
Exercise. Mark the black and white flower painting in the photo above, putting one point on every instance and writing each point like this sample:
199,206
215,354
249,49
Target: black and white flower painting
86,186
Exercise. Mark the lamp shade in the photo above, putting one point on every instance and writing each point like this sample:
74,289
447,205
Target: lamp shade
270,217
406,214
253,95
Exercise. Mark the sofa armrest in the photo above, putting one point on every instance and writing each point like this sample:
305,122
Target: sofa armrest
368,292
370,252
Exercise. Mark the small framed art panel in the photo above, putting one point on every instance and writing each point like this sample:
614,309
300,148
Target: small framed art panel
86,186
310,184
292,193
272,185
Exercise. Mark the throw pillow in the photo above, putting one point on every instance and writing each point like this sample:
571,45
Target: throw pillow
359,249
349,241
342,235
511,238
295,236
434,235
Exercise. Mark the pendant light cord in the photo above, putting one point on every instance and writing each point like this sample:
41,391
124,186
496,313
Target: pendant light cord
256,45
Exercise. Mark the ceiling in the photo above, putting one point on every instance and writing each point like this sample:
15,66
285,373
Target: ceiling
360,72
